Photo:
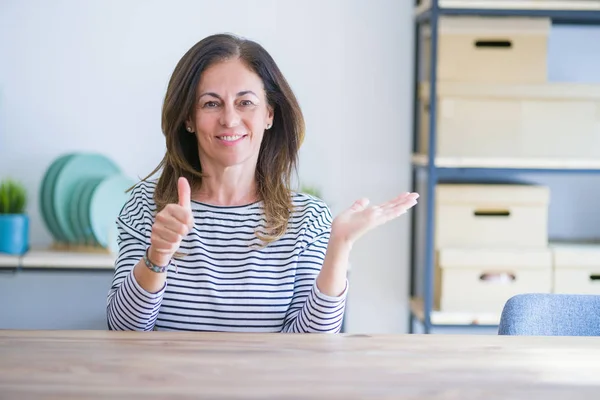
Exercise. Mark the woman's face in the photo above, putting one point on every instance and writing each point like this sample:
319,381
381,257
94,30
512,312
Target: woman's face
230,116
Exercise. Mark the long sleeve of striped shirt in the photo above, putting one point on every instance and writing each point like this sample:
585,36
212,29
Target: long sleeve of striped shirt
130,307
311,310
226,282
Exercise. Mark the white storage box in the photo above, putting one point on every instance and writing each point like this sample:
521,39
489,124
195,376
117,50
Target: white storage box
482,280
550,121
474,215
490,49
576,268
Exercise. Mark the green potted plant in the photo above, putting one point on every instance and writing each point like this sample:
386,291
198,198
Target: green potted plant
311,190
14,223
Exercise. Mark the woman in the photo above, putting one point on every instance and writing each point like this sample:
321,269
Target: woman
220,242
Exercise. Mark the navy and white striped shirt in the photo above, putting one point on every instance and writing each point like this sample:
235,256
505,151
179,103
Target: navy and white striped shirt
225,282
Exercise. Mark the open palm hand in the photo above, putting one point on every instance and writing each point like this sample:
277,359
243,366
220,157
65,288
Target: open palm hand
361,218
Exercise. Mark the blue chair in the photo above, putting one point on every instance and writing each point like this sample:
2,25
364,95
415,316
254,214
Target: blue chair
551,315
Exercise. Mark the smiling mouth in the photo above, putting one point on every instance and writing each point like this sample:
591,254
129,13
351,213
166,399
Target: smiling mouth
231,138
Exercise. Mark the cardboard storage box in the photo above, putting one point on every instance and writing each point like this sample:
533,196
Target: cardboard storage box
496,215
482,280
576,268
550,121
490,49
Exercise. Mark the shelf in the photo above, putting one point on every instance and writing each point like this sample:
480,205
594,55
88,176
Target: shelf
9,261
54,259
41,258
440,318
538,5
516,164
564,11
547,91
427,172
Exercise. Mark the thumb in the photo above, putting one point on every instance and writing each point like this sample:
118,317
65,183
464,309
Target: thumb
185,193
360,205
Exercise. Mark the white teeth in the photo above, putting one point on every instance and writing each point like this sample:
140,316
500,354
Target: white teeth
230,138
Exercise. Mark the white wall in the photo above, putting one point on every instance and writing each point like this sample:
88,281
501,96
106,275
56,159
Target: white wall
78,75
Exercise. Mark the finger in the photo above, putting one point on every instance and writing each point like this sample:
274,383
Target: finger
185,193
414,196
394,201
179,213
167,234
162,246
165,220
404,198
176,226
402,208
395,211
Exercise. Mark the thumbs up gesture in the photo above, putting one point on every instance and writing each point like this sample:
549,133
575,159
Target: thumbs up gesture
172,223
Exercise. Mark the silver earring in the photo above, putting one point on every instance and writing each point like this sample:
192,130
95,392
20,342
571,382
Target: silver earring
269,126
189,129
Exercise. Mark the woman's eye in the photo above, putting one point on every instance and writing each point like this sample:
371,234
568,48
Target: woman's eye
246,103
210,104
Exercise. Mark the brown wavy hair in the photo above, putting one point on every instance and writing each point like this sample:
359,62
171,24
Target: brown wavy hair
278,155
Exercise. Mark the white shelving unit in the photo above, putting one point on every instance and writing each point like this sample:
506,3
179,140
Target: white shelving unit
430,167
53,259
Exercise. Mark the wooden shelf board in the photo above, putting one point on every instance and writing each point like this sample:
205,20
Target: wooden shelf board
508,163
49,258
453,318
548,91
554,5
9,261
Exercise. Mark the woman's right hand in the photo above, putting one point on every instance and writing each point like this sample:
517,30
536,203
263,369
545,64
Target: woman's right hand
171,225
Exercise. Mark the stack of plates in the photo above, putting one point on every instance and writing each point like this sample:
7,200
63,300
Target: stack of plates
81,196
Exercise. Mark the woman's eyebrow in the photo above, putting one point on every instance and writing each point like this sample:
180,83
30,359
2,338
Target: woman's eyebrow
239,94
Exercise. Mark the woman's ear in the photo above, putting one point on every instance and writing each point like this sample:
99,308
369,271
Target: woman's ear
270,115
189,126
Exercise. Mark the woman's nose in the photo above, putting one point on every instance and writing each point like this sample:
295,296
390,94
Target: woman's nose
230,117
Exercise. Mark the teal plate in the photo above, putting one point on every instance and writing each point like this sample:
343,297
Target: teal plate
106,203
75,202
46,202
80,167
83,210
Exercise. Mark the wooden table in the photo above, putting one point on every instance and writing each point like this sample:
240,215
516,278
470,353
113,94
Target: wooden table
161,365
